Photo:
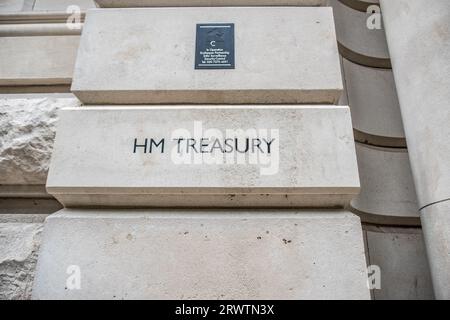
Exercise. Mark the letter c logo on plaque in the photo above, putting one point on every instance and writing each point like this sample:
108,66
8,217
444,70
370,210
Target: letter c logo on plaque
215,46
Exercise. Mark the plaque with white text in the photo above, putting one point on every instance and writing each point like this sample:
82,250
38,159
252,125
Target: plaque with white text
215,46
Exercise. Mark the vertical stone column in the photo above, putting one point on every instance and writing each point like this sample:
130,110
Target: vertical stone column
419,43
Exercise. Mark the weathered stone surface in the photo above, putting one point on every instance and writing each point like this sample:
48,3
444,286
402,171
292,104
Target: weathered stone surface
27,130
312,159
420,54
62,5
205,3
436,228
358,43
19,244
37,60
373,100
387,188
202,254
283,55
400,254
8,6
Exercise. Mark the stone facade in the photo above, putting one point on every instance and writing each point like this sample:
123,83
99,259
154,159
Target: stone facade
399,130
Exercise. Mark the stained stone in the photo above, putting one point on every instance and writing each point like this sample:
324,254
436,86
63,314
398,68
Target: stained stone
147,56
163,156
202,254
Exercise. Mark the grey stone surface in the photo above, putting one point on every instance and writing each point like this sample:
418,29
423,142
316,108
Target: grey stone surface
359,43
202,255
10,6
420,50
420,53
19,244
436,226
387,188
283,55
205,3
27,130
62,5
37,60
100,166
400,254
373,100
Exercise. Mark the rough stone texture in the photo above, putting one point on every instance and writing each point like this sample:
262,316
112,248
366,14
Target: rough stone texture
27,130
400,254
373,100
357,42
283,55
387,189
312,162
37,60
205,3
262,254
19,244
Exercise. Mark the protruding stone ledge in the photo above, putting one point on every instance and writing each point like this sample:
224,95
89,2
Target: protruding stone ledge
155,156
282,55
205,3
373,100
37,60
387,188
203,254
357,42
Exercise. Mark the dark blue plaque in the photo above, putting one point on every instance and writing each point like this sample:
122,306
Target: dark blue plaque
215,46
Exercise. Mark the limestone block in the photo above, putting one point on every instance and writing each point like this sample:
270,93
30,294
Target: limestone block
387,189
420,51
62,5
436,227
374,104
37,60
9,6
357,42
202,254
282,55
19,244
204,156
400,254
27,130
205,3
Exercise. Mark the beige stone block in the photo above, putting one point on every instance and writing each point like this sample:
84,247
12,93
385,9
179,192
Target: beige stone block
203,254
357,42
387,188
39,60
372,97
205,3
305,156
400,255
283,55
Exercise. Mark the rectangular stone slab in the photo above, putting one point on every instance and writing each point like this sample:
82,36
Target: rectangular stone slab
37,60
205,3
101,157
147,56
202,254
